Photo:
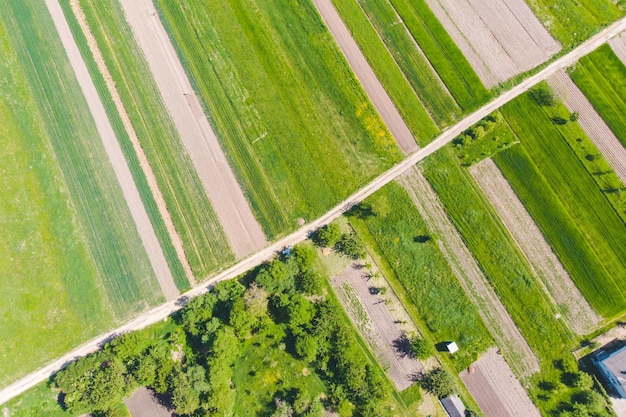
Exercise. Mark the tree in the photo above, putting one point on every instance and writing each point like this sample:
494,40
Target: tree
304,255
327,236
583,381
421,348
574,116
240,319
185,399
310,282
351,246
438,382
543,95
283,409
306,347
255,298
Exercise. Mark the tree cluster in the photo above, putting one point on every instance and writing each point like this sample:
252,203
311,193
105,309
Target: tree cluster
348,244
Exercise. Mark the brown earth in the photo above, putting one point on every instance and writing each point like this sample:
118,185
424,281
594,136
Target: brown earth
618,44
591,122
471,278
500,38
114,152
496,390
143,404
556,281
233,210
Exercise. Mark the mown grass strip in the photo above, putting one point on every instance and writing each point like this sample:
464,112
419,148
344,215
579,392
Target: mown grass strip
203,238
499,258
299,131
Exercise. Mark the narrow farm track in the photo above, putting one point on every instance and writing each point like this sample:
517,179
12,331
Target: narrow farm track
591,122
372,86
143,160
474,283
115,154
161,312
233,210
557,282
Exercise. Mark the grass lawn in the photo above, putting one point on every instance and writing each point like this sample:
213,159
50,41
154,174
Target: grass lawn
73,262
298,129
204,241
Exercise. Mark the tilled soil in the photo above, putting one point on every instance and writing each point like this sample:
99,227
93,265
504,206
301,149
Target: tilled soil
618,44
494,314
143,404
555,279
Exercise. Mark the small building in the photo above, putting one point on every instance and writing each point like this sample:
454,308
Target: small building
452,347
453,406
613,367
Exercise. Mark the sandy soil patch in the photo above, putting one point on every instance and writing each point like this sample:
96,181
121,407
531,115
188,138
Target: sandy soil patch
143,404
366,76
591,122
490,308
233,210
500,38
114,152
555,279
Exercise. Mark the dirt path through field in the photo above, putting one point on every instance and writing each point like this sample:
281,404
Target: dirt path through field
116,157
591,122
233,210
496,390
366,76
471,278
555,279
143,160
161,312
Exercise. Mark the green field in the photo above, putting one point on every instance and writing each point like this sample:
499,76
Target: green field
394,231
573,21
298,130
203,239
72,260
601,76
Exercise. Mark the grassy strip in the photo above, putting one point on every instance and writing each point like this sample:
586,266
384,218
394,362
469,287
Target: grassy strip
387,71
601,76
432,287
573,21
562,233
414,64
104,218
298,129
444,55
573,185
499,258
204,240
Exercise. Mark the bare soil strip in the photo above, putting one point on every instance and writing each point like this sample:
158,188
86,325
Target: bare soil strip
233,210
143,404
366,76
494,314
591,122
381,327
496,390
557,282
618,44
500,38
161,312
143,160
116,157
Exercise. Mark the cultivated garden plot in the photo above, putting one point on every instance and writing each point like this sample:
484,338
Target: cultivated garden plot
499,38
579,315
490,308
496,390
591,122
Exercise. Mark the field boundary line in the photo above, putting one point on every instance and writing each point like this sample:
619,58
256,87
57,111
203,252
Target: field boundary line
141,155
163,311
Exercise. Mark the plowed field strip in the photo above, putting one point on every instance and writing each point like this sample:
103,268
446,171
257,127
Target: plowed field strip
116,157
591,122
491,309
242,229
581,318
618,44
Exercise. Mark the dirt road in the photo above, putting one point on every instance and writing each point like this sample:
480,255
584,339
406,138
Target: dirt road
114,152
233,210
161,312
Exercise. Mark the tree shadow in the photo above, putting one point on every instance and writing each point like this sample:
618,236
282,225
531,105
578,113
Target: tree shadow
402,346
422,239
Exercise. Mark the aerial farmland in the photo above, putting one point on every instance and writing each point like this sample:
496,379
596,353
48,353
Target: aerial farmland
312,207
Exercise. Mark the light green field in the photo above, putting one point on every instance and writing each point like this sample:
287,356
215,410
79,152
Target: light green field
297,128
72,262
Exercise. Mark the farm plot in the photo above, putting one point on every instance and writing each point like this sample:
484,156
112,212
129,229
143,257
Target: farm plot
72,261
618,45
499,38
205,245
580,317
297,128
495,388
372,317
143,404
494,314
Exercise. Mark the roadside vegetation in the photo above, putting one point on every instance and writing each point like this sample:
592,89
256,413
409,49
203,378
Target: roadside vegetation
298,130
